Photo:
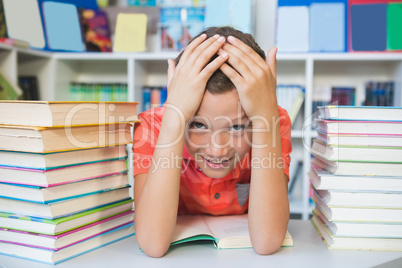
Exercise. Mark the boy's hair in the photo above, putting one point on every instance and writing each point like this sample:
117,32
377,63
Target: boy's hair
219,83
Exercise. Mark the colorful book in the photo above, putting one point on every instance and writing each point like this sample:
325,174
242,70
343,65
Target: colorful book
61,113
66,207
361,113
226,232
350,153
63,224
358,168
54,139
58,176
356,198
58,242
48,161
360,127
360,229
45,195
95,30
323,180
358,214
360,140
356,243
55,257
29,86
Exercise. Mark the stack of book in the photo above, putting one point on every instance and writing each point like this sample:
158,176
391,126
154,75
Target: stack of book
63,177
356,177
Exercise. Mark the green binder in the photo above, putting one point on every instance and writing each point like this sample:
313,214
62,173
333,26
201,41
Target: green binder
394,26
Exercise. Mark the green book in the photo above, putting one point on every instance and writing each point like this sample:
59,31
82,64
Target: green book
394,26
63,224
8,89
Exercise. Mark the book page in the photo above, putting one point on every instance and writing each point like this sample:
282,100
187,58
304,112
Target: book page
228,226
189,226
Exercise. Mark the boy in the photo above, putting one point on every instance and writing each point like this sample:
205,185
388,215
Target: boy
220,145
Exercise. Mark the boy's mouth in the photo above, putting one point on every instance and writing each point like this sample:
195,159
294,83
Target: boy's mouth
216,163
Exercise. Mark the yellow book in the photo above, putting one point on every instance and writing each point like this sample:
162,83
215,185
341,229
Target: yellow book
130,34
66,113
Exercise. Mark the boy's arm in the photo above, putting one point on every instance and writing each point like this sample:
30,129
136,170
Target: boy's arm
157,193
255,81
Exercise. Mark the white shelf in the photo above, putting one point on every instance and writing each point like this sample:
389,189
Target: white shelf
55,71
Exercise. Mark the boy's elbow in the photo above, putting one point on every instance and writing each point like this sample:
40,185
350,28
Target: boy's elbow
152,247
267,246
266,249
153,250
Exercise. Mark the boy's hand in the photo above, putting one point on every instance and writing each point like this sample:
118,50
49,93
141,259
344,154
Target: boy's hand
187,80
254,78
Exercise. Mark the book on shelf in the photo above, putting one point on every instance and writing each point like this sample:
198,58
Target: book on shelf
350,153
358,214
225,231
8,90
47,161
29,86
360,127
361,113
14,42
290,98
63,224
53,177
373,198
343,95
153,97
379,93
360,139
58,256
66,207
95,30
360,229
61,113
57,242
359,243
323,180
61,192
358,168
114,92
52,139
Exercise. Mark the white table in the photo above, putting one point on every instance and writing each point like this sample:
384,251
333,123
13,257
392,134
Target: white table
308,251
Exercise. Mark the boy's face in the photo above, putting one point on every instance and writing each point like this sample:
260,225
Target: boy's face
219,135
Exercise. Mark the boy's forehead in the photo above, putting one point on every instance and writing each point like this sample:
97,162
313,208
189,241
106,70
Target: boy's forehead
223,104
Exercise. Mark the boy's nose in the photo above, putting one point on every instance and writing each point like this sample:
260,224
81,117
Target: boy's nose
219,145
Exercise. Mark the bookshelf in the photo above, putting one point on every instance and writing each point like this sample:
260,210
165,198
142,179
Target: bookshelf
55,71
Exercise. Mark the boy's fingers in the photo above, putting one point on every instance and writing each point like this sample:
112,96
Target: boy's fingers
271,59
238,62
192,46
171,68
205,51
247,50
233,75
214,65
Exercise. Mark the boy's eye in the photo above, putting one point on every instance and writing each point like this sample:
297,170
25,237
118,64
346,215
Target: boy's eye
238,127
198,125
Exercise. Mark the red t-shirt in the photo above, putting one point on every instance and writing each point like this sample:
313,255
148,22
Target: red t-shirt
200,194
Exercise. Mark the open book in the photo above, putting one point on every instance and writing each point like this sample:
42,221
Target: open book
226,231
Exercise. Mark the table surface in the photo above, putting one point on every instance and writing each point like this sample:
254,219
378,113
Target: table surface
308,251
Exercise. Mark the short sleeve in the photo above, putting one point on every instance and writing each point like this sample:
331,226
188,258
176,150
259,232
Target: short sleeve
145,137
286,139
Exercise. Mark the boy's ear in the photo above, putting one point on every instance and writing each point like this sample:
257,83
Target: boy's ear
271,59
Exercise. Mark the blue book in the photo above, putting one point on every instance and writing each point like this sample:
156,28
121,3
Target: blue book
65,207
369,27
328,27
58,256
47,195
